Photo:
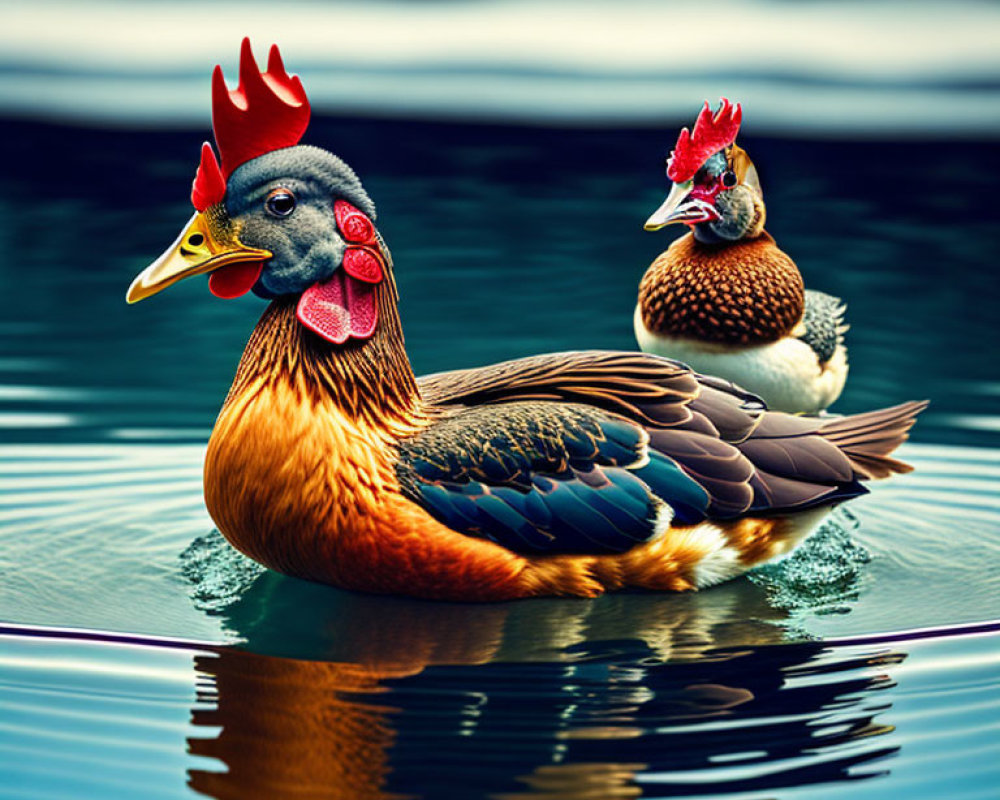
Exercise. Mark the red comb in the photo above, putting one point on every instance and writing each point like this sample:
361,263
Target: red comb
209,186
710,135
266,111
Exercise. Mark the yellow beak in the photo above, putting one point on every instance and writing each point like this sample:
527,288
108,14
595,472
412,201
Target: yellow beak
206,244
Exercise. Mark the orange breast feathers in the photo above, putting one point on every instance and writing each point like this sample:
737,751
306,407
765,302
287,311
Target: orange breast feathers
299,487
744,293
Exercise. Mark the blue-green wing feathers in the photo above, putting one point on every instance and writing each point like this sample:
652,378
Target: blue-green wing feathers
594,452
535,477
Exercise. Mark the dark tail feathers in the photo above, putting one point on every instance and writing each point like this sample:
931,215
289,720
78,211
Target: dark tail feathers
868,439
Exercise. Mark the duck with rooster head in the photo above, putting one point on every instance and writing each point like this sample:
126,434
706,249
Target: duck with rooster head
563,474
724,298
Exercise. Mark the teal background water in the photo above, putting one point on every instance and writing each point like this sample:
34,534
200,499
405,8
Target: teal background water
804,680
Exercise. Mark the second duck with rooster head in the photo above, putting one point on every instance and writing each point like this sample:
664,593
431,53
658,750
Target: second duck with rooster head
725,299
718,196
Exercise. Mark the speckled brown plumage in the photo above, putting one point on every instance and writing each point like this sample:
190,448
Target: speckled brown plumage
743,293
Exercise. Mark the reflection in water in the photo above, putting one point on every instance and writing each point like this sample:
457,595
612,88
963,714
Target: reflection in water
282,616
91,714
288,617
559,699
292,728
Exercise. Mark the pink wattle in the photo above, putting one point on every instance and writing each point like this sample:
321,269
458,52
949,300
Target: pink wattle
339,308
345,306
235,280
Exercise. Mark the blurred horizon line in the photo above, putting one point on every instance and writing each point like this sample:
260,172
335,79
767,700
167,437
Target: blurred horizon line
877,68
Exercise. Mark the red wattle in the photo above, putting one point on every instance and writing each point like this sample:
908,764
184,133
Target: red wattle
354,226
235,280
363,264
339,309
346,307
361,305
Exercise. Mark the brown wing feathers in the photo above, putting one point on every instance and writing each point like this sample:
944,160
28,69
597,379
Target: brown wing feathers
745,457
803,461
649,390
717,466
868,439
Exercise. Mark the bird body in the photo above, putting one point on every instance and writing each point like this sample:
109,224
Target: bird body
740,310
724,298
563,474
305,472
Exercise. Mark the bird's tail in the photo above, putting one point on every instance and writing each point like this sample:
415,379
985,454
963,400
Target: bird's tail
868,439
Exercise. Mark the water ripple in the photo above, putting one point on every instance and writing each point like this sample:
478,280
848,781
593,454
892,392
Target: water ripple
79,517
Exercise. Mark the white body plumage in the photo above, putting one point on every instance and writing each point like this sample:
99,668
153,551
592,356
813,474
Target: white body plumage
787,373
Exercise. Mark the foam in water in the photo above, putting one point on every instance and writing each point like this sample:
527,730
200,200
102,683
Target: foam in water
823,575
219,574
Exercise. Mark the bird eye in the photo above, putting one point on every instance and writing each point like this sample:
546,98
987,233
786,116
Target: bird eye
729,179
280,203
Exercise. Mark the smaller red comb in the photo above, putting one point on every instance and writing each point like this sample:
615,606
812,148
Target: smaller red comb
710,135
209,186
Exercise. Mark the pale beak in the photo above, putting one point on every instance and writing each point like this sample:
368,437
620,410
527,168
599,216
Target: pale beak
204,246
681,207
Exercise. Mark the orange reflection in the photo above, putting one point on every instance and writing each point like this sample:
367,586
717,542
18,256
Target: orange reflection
544,699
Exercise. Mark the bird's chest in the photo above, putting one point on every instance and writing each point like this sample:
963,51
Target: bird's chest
748,293
286,475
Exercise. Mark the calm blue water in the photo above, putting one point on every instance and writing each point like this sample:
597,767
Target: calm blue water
444,702
806,680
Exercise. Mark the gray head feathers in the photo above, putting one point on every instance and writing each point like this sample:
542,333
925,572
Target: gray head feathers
304,163
738,212
306,244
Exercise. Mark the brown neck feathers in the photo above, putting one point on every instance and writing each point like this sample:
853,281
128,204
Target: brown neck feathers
741,293
370,381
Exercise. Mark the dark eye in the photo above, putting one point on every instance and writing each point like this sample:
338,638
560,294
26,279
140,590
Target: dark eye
729,179
280,203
